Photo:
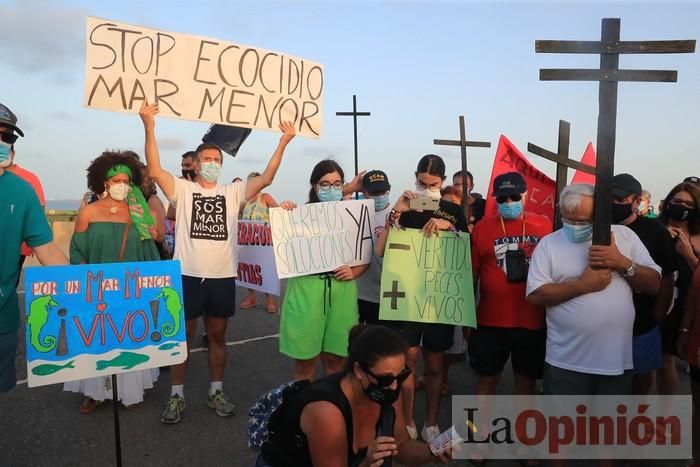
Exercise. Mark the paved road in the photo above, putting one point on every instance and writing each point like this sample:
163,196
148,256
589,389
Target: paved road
43,427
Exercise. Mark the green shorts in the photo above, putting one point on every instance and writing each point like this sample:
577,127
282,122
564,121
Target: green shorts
317,315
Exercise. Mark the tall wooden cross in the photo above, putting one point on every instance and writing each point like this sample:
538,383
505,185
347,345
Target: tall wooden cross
563,164
354,114
608,75
463,143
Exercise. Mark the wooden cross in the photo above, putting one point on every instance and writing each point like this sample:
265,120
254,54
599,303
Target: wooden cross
354,114
608,75
463,143
394,294
563,164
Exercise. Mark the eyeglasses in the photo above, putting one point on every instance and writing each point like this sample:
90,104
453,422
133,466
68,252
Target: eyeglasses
8,138
387,380
504,199
325,186
680,202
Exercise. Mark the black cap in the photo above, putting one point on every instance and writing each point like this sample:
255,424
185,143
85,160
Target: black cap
511,183
695,180
9,120
375,181
624,185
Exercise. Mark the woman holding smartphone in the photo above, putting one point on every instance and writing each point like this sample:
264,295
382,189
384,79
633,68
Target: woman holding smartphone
434,338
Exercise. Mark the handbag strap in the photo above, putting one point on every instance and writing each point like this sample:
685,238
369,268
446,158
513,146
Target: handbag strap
124,237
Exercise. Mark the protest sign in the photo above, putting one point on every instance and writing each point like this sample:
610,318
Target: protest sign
540,188
198,78
102,319
427,279
320,237
256,258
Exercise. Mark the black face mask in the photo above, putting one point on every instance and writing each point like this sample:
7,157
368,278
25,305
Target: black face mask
620,212
382,395
189,174
679,213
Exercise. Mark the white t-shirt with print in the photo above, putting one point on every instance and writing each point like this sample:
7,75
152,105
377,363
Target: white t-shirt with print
591,333
368,284
206,228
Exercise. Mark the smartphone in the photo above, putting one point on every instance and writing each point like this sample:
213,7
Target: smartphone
424,204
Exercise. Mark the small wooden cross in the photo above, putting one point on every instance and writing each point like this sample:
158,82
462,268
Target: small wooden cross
563,164
608,75
354,114
463,143
394,294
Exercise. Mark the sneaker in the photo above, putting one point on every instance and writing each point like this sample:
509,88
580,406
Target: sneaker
429,432
412,431
173,410
219,402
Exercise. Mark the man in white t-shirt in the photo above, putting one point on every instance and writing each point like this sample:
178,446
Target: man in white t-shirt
587,291
206,224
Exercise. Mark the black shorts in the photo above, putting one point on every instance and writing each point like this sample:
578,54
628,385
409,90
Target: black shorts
490,347
669,332
369,311
211,297
434,337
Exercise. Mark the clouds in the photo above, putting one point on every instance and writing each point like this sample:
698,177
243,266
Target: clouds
42,37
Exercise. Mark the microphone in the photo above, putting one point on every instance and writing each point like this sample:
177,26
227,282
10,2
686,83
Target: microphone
385,427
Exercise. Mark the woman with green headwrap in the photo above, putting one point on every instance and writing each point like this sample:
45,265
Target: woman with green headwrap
98,237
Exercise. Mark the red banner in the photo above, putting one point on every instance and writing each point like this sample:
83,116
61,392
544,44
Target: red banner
588,159
540,188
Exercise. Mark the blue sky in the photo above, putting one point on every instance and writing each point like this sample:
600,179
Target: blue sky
415,65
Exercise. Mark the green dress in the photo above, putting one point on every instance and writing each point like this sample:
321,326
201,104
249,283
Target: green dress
101,243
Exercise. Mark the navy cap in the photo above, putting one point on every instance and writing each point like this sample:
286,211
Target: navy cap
694,180
9,120
511,183
375,181
624,185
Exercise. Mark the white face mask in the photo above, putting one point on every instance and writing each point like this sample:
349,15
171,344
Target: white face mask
428,193
119,191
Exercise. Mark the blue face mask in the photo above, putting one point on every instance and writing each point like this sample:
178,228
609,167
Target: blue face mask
578,233
511,210
5,152
381,201
210,171
331,194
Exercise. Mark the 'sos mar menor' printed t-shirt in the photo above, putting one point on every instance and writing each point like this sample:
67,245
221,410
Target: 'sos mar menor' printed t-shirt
206,227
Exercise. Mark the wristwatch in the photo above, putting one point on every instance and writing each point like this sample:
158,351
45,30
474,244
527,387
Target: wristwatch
629,273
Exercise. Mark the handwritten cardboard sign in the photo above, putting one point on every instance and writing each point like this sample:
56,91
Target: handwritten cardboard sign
320,237
427,279
198,78
102,319
256,258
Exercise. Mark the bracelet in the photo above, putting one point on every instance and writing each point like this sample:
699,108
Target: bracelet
684,330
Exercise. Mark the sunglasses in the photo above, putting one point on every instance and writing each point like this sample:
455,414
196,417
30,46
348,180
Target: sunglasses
8,138
387,380
680,202
504,199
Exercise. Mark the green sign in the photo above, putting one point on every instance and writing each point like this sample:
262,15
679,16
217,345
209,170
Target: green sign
427,279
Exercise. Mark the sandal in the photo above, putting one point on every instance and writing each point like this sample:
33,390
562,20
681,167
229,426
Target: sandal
271,307
248,303
89,405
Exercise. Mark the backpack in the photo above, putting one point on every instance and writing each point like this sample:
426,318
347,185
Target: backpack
267,410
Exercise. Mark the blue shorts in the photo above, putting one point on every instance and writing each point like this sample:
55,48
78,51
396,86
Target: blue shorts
8,350
647,351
